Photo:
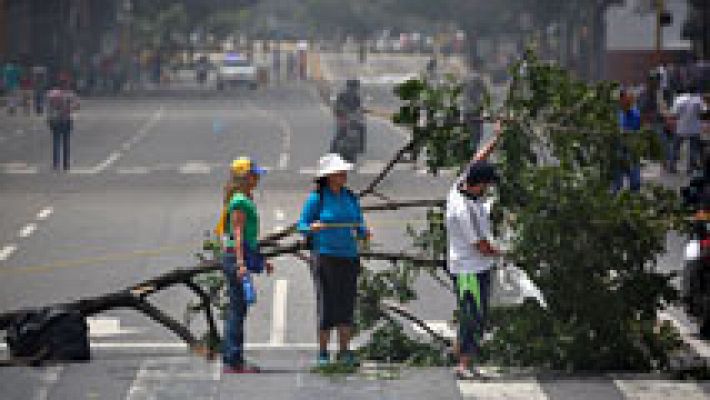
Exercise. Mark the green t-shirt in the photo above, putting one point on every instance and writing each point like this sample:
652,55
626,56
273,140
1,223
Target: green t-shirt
246,205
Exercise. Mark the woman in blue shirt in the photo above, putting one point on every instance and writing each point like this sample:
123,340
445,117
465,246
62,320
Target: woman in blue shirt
332,219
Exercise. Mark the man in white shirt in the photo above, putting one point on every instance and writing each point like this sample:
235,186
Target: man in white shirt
471,253
687,110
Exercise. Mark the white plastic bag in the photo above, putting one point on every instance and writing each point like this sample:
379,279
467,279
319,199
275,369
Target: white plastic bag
510,286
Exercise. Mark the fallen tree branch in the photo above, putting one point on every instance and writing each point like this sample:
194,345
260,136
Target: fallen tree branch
406,314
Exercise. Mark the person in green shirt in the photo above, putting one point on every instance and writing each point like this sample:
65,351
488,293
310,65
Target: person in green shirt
240,243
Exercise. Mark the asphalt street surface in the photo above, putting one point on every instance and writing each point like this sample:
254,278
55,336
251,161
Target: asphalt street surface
146,183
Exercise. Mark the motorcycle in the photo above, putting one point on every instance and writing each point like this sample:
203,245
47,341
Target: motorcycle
350,136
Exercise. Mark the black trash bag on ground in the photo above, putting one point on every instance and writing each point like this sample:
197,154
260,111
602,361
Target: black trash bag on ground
49,334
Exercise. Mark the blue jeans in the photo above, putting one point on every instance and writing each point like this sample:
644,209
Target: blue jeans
233,341
473,316
694,150
634,174
61,131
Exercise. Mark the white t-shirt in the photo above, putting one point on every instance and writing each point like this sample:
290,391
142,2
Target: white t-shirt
688,107
467,222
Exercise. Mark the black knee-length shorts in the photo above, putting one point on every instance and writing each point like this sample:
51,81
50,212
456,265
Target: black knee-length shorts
335,280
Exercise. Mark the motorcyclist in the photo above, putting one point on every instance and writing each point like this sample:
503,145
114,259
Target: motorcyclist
201,69
347,102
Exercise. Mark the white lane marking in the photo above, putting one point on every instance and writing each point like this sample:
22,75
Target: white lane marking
45,213
279,214
133,170
7,251
518,390
307,171
20,168
371,167
278,315
283,161
21,171
103,327
660,390
144,129
441,327
27,230
47,382
286,149
112,158
126,146
195,167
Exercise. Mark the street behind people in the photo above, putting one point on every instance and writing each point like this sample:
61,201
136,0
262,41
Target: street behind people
332,219
61,104
687,110
629,121
471,254
241,257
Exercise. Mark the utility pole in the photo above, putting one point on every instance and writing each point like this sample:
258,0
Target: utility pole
660,10
3,30
125,16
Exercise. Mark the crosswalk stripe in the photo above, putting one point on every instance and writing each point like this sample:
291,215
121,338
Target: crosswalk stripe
278,316
660,389
528,389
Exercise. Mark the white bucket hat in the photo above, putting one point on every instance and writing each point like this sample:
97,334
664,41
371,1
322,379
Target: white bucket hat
332,163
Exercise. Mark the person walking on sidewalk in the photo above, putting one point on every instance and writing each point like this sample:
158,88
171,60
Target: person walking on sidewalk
11,74
629,121
687,110
61,104
471,253
240,245
333,220
653,107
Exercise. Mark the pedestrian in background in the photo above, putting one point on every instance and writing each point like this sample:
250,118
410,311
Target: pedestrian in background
11,75
686,112
62,102
471,253
629,121
39,77
240,245
333,220
653,108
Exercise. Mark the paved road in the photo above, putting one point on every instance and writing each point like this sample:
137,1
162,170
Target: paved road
145,184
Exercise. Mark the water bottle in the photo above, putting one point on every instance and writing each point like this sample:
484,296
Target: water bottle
249,291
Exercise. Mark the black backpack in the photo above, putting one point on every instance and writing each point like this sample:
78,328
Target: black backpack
49,334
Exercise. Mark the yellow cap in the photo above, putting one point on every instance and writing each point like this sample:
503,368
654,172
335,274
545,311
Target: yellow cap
241,166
